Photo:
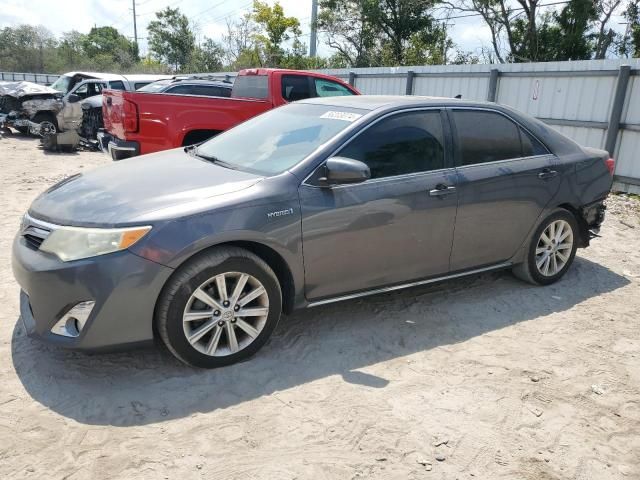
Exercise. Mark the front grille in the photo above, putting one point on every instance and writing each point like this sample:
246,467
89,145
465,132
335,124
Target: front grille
33,242
34,232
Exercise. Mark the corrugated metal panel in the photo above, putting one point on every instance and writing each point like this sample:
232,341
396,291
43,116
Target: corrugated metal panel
628,155
471,88
567,98
587,137
381,86
631,112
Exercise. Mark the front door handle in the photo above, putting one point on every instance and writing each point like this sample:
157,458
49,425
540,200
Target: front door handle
441,190
547,173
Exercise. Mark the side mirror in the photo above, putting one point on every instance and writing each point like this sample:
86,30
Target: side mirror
340,171
73,98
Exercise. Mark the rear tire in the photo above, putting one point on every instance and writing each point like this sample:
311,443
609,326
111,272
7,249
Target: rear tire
199,315
550,250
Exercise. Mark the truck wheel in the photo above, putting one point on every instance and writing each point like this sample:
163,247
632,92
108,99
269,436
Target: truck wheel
48,123
551,249
219,308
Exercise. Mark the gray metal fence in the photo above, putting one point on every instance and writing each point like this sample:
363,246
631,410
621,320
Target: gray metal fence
595,102
41,78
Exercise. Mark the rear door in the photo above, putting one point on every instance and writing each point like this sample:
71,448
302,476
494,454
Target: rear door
393,228
505,178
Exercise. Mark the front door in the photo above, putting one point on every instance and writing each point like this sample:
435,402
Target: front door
505,178
395,227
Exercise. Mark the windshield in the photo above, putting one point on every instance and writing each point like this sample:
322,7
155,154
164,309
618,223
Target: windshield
62,83
155,86
279,139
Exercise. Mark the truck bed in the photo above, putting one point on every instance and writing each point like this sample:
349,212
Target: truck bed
164,120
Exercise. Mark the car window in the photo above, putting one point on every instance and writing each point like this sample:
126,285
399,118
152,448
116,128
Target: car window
155,87
486,137
181,90
296,87
404,143
87,90
211,91
327,88
117,85
139,85
531,146
251,86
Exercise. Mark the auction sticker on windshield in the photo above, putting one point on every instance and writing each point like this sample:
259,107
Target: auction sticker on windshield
346,116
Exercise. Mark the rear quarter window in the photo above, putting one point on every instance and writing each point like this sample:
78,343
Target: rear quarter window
251,86
117,85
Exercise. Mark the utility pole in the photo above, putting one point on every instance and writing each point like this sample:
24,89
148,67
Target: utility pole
135,26
314,28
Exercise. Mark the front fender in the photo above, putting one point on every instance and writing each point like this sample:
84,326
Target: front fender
173,243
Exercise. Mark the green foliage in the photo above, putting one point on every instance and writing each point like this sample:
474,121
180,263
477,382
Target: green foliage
208,57
171,39
349,32
26,48
273,28
108,43
631,43
384,32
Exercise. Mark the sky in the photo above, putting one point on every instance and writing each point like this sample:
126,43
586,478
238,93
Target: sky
469,34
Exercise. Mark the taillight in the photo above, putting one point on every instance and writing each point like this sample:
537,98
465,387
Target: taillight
130,116
611,165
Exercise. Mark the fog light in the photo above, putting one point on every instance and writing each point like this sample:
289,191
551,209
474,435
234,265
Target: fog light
72,323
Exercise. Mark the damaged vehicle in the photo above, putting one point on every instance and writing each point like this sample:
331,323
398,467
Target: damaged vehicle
55,113
23,105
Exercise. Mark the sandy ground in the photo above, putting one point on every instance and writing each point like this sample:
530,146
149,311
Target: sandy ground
485,377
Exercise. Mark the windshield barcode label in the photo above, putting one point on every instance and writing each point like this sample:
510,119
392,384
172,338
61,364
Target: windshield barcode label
346,116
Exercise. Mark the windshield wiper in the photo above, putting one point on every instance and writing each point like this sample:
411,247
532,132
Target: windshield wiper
213,159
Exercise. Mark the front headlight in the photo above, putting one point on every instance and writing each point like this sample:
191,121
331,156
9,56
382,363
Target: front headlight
74,243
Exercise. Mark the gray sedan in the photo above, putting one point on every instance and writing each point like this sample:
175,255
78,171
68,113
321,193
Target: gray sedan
315,202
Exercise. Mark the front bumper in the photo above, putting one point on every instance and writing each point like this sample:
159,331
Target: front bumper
114,147
124,286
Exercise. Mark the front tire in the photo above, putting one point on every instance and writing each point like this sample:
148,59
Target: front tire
551,249
219,308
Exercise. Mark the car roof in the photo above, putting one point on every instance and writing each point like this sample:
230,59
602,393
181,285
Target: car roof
199,81
381,104
116,76
375,102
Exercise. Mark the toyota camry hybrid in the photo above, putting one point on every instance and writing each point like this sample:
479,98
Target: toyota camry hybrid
321,200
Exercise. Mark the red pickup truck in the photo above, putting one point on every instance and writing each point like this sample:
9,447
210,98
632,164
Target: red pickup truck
144,122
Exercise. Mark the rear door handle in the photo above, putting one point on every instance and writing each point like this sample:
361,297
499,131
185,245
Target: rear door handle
547,173
441,190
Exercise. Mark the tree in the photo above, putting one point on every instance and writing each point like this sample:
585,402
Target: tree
208,57
565,35
171,38
631,41
348,31
240,45
70,49
402,22
523,31
604,36
274,29
108,43
27,48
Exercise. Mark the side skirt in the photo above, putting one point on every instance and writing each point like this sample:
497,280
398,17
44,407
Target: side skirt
408,285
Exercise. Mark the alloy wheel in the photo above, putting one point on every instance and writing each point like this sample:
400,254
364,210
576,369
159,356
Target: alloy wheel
225,314
554,247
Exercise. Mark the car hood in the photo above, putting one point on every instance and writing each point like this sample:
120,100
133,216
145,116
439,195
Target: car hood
147,188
